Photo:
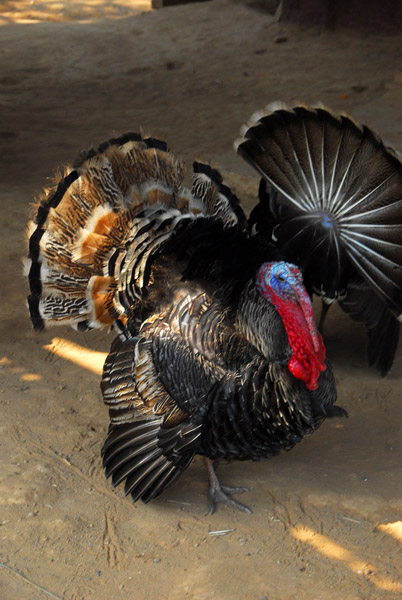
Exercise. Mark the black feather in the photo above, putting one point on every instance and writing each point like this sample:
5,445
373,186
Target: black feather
330,199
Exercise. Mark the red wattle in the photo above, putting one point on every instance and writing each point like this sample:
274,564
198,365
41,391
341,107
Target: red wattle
308,358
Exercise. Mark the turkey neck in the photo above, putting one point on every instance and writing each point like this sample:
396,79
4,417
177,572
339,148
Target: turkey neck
260,322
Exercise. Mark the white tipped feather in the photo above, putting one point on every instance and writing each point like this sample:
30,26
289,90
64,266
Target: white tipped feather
347,184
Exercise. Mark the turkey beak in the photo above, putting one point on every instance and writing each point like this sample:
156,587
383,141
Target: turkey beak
303,299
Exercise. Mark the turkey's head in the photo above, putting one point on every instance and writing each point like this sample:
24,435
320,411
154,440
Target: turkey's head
281,284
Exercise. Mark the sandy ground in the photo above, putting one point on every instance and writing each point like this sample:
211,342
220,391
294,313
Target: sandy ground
326,520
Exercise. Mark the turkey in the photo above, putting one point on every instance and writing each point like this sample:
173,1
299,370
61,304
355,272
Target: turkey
216,353
330,200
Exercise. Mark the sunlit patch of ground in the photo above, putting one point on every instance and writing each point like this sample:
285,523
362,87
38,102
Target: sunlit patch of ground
84,357
327,547
37,11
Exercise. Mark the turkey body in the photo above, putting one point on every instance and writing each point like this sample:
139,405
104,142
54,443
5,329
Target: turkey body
330,200
216,353
211,390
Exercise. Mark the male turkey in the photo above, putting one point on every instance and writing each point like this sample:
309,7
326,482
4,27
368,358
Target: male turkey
217,353
330,200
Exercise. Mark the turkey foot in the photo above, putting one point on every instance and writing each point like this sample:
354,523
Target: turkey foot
221,493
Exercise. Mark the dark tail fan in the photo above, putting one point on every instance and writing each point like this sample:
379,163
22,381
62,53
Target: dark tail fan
331,200
364,306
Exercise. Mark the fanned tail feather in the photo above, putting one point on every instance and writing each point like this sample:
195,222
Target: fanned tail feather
94,236
345,184
363,306
215,197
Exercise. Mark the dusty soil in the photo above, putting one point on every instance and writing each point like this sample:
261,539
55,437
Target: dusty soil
326,520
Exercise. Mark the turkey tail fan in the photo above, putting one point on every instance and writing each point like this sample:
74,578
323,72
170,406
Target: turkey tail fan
94,235
364,306
90,214
330,199
338,177
216,198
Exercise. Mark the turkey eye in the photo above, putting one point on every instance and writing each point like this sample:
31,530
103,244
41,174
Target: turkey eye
281,277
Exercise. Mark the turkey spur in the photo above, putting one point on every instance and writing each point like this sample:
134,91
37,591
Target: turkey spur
216,353
330,200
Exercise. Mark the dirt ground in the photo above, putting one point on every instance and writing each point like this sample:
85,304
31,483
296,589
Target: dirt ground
327,517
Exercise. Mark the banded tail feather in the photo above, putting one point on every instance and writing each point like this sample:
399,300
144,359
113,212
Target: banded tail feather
331,200
217,199
93,239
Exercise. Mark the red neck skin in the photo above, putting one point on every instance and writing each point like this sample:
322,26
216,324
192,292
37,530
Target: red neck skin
308,356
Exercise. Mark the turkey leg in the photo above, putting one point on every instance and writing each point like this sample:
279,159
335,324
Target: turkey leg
221,493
